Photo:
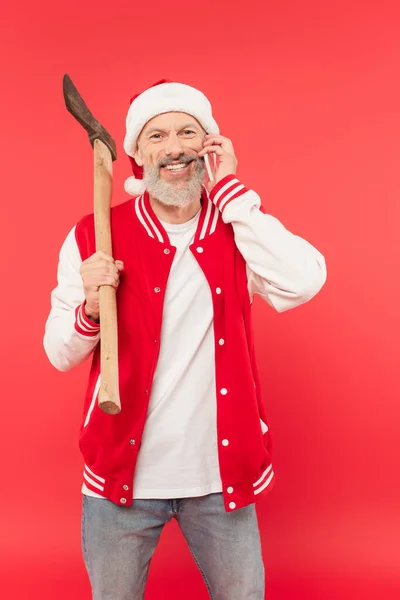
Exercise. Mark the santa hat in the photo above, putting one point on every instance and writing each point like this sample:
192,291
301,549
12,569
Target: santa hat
164,96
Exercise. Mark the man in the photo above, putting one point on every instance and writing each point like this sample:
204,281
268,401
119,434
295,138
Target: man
192,440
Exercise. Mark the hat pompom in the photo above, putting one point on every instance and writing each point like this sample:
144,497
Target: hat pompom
134,187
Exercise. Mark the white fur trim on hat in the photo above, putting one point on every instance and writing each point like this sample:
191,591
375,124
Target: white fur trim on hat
135,187
166,97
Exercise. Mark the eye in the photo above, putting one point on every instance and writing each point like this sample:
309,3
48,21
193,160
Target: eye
155,136
188,132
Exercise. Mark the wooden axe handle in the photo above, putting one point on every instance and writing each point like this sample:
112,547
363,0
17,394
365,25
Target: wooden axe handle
109,400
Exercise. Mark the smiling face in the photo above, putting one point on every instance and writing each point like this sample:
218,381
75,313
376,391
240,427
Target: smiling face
167,148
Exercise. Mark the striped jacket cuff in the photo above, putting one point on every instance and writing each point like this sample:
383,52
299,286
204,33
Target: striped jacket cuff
227,190
83,324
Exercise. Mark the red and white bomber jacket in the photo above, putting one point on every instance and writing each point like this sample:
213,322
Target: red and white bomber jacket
242,251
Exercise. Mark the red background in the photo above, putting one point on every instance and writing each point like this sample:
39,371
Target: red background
309,93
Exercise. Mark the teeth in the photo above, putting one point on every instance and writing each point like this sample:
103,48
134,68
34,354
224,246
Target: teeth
176,167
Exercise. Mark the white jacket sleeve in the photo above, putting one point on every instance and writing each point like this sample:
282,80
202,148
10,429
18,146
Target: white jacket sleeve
283,268
70,336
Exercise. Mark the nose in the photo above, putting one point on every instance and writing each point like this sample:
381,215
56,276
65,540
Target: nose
173,146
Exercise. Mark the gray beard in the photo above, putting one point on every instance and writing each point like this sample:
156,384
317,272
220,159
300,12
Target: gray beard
173,193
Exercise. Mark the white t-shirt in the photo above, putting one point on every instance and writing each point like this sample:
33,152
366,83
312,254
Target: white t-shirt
178,456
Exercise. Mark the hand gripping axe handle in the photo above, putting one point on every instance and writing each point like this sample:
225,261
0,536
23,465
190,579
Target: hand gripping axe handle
105,152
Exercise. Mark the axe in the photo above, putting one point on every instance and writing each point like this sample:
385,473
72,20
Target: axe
104,150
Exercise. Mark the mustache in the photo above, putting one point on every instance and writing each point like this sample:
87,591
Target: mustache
182,158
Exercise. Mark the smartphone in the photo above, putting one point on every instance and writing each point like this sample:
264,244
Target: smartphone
208,166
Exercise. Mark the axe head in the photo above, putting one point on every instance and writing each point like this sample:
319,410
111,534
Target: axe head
78,109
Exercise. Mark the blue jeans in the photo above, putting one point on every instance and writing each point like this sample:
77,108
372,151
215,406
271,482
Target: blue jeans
118,544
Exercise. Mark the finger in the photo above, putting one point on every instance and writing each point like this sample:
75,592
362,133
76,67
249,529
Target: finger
216,136
208,149
101,264
107,280
95,284
98,269
119,264
213,141
100,255
224,143
219,141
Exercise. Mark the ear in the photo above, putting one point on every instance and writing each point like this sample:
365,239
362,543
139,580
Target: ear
138,157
